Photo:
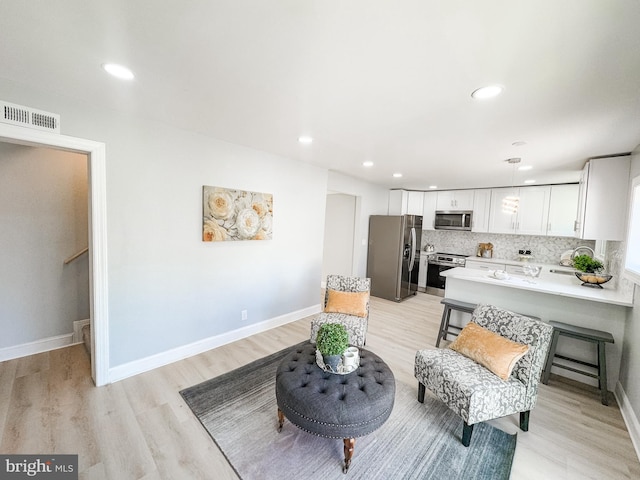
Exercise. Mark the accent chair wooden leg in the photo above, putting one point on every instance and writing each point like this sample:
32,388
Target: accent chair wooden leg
467,430
349,447
524,421
421,390
280,420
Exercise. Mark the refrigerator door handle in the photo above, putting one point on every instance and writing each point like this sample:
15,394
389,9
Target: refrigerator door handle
413,248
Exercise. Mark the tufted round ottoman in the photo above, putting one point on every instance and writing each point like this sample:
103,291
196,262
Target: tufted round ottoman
331,405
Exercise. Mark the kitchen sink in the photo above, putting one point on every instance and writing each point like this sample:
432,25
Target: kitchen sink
562,272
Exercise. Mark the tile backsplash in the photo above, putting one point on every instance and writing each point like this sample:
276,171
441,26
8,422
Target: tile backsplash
543,249
546,250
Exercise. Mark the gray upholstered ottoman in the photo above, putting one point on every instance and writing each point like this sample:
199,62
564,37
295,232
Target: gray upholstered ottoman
331,405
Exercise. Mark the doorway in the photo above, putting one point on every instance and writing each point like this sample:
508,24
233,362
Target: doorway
339,235
98,288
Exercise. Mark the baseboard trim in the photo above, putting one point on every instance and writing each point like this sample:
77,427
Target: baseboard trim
39,346
136,367
629,416
77,329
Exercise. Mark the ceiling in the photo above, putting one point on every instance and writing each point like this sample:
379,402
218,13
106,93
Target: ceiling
387,82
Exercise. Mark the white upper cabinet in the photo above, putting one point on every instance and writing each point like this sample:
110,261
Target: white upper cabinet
533,210
499,221
563,206
404,202
429,210
531,217
455,200
602,208
481,210
414,203
398,200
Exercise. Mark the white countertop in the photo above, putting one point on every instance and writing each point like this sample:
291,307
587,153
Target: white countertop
547,282
505,261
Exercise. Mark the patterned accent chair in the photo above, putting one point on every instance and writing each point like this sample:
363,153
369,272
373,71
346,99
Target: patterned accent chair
356,326
475,393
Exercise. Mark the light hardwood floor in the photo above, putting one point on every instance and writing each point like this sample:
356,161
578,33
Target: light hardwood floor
140,428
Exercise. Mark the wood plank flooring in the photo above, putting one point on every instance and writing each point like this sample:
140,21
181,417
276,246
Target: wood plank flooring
140,428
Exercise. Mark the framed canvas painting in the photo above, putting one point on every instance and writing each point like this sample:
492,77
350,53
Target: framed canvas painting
230,215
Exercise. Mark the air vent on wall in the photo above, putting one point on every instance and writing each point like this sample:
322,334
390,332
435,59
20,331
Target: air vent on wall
29,117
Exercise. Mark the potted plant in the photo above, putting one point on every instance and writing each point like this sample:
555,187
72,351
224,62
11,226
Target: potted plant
586,264
589,271
332,341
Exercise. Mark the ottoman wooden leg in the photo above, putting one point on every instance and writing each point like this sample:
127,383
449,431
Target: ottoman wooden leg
280,420
349,446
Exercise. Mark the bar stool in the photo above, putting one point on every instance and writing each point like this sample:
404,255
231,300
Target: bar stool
451,304
588,335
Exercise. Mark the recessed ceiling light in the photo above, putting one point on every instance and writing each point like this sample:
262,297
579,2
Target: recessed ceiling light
525,167
118,71
305,139
397,175
519,143
529,181
487,92
368,163
432,187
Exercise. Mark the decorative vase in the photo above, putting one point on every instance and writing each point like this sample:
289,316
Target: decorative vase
332,361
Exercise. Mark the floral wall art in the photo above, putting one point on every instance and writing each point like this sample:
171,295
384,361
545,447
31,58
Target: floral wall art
236,215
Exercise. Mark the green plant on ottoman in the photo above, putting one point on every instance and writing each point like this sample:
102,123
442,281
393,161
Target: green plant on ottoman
332,341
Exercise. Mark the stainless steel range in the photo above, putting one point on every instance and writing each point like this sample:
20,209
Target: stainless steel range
438,263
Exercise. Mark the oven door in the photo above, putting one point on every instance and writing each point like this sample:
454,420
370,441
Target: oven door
435,280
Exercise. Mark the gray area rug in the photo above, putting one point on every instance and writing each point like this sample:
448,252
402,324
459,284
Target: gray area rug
419,441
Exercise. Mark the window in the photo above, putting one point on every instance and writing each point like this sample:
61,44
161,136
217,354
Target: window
632,257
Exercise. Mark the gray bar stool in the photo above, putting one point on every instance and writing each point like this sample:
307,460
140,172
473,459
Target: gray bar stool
588,335
451,304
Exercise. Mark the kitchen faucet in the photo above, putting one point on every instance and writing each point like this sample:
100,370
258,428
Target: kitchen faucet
573,255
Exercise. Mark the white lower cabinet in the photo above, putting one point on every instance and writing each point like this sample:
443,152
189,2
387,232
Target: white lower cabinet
486,266
422,273
515,269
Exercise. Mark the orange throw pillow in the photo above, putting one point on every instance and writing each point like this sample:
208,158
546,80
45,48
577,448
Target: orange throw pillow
349,303
492,351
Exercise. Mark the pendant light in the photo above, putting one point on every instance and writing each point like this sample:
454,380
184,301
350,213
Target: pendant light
510,202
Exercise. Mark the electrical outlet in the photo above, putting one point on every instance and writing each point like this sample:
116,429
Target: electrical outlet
244,314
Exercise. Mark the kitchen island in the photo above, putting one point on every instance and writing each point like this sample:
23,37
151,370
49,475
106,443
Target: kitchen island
551,296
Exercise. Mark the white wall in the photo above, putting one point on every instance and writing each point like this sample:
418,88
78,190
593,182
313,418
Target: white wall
630,365
43,221
370,200
167,288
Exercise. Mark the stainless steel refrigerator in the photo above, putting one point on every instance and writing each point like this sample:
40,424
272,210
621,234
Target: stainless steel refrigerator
394,255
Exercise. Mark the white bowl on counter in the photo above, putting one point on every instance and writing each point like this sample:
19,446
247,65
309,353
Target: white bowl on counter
498,274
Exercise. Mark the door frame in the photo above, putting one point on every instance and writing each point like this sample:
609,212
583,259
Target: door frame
98,278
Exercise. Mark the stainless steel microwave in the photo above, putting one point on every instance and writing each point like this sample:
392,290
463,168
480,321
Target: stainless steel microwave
453,220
